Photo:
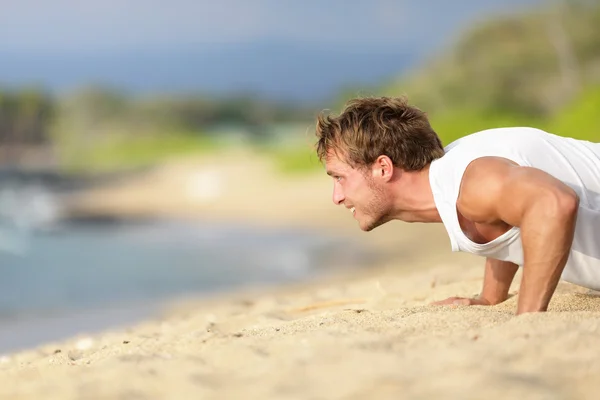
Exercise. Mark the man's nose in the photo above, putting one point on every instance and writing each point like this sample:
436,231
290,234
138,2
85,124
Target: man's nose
338,196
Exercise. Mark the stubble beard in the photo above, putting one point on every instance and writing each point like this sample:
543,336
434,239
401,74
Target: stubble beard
376,210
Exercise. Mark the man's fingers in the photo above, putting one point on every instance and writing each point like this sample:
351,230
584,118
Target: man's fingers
447,301
459,301
441,302
462,301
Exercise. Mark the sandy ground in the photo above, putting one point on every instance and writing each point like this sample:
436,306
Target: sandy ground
363,335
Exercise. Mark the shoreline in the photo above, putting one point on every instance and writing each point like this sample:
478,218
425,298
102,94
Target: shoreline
37,327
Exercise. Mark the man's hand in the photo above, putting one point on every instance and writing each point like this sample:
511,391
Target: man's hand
462,301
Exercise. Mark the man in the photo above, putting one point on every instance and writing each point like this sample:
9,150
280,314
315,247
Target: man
517,196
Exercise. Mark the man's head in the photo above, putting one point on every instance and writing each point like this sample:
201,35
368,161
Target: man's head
369,146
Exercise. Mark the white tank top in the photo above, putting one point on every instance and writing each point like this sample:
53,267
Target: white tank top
574,162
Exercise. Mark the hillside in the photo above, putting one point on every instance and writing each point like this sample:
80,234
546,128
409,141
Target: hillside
538,68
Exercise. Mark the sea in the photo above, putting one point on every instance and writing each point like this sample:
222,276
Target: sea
65,277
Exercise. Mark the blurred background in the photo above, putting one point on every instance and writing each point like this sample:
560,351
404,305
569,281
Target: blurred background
150,150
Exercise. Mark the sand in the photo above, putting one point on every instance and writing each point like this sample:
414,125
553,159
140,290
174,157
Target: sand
368,334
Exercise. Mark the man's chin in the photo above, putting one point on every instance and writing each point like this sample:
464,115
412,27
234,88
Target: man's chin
368,227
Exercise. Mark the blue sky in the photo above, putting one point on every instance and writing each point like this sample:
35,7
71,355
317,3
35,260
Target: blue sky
65,43
75,25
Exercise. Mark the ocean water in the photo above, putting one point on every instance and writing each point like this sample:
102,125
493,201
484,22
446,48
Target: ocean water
76,277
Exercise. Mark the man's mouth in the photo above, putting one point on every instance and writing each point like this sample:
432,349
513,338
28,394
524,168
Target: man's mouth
353,210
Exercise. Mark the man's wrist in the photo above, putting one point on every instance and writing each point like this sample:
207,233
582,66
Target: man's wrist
492,300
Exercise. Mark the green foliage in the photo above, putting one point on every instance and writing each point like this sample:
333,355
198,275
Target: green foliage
581,118
530,64
99,108
101,128
534,69
25,116
295,160
122,152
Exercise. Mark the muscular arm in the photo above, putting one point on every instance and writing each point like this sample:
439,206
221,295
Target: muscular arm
497,279
495,189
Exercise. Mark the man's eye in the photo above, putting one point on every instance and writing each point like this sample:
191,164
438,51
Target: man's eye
338,178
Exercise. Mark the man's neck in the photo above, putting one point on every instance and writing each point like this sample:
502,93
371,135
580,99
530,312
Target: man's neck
415,198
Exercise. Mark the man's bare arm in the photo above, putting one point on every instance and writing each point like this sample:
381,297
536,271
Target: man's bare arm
497,278
495,189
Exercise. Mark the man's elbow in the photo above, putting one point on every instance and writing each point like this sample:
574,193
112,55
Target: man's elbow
570,202
565,205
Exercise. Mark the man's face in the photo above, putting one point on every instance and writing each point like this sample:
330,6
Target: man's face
360,191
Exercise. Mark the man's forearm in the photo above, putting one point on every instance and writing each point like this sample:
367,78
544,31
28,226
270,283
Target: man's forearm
497,279
547,240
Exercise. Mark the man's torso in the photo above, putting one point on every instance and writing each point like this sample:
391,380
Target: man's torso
576,163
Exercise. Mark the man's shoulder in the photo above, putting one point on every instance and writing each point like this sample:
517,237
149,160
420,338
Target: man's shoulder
486,168
483,175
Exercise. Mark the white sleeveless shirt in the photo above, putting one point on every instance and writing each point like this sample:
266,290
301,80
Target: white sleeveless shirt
574,162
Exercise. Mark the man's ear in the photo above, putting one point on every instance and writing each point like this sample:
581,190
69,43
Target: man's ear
383,168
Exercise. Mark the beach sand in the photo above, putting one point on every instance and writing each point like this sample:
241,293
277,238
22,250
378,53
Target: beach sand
366,334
